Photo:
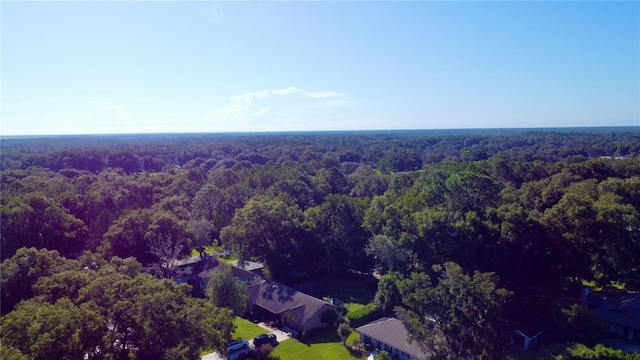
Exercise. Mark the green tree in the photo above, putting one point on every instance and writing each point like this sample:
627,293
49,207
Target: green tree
336,226
344,331
19,273
73,302
112,194
36,220
365,182
388,295
126,236
455,315
266,229
388,254
331,180
54,331
298,189
225,291
201,231
11,353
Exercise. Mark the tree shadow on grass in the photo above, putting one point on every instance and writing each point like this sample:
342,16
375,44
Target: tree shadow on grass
322,336
351,289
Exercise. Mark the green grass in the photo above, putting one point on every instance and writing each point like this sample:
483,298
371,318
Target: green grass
612,284
353,338
213,249
353,306
207,249
324,344
228,259
245,329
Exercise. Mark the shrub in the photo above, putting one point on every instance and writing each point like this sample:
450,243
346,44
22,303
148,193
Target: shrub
329,316
364,315
580,351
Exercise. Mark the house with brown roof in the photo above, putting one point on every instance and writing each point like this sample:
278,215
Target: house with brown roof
291,308
390,335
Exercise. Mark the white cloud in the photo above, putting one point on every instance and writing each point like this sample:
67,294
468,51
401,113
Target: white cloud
281,103
325,94
287,91
103,105
261,112
312,94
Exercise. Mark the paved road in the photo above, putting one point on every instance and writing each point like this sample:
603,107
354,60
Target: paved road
280,336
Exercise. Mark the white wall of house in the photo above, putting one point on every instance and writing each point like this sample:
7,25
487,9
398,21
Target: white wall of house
382,346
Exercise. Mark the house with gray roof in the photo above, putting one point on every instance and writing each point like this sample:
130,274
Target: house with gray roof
390,335
291,308
620,311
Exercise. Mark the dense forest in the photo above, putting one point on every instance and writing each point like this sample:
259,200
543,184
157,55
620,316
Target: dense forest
522,218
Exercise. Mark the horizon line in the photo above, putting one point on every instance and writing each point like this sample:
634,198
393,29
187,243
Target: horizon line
283,132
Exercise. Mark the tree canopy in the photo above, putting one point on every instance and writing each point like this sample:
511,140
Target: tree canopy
107,309
454,315
541,211
225,291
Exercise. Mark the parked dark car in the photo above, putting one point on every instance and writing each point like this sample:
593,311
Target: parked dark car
265,339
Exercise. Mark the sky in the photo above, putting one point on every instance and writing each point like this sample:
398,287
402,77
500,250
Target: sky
90,67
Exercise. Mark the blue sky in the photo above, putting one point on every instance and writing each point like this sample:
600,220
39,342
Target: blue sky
204,66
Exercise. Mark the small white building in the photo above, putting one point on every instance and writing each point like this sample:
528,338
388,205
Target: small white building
523,338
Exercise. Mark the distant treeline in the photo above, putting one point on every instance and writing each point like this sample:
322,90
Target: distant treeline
389,151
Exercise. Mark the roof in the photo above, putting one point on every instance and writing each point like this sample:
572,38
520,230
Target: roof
240,274
392,332
248,265
621,308
278,298
529,330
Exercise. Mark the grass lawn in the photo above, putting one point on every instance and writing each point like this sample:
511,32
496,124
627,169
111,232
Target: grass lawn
207,249
246,329
353,306
353,337
325,344
214,249
228,259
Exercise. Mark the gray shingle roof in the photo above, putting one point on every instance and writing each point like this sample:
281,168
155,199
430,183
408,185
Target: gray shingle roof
617,308
391,332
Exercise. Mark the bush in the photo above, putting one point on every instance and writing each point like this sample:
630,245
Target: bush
577,323
329,317
364,315
580,351
382,355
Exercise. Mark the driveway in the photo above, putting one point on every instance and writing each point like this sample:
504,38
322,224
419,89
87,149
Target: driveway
280,336
213,356
234,355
